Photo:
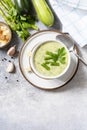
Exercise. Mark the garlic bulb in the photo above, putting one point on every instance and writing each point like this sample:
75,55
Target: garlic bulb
10,68
11,51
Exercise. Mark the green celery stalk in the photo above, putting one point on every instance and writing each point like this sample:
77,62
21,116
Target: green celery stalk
3,6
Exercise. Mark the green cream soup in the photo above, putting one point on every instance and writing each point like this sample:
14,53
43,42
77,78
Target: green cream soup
50,59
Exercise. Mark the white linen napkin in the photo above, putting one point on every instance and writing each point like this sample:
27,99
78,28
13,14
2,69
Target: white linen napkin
74,20
81,4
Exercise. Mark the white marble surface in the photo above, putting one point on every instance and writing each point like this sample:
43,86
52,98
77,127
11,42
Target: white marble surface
24,107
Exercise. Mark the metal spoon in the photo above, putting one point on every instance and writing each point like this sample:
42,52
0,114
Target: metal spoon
70,43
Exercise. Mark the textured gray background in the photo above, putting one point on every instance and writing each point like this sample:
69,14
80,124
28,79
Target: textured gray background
24,107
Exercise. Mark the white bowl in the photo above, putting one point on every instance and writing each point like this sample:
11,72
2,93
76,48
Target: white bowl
43,76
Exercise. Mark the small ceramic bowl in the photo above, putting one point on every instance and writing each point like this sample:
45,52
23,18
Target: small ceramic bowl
41,75
5,34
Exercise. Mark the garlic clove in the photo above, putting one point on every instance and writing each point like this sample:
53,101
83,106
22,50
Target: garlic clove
10,68
11,51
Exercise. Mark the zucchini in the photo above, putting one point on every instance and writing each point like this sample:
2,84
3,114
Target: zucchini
43,11
22,6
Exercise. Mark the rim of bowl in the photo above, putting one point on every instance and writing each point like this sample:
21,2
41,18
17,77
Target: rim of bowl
31,60
4,45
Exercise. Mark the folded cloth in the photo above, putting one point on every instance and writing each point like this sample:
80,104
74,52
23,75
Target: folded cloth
81,4
74,20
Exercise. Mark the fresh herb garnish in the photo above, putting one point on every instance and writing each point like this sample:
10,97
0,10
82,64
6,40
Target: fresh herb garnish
45,66
54,59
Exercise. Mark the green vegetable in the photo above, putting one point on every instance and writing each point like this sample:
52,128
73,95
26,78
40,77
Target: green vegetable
43,11
54,59
18,23
22,6
46,66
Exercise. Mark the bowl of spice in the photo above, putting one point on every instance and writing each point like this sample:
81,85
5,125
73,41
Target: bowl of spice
5,34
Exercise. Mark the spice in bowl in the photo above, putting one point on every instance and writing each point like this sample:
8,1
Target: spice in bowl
5,34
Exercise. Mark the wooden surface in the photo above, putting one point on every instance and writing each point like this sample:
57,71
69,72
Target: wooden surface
24,107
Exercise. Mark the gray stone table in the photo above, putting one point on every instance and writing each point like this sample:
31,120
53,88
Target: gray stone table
24,107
